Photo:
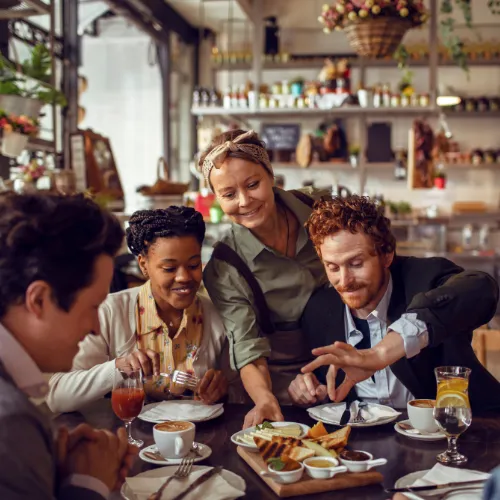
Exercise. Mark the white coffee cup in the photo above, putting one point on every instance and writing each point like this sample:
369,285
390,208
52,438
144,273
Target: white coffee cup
421,414
174,439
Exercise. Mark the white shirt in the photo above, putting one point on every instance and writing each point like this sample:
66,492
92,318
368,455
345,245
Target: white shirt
28,378
387,389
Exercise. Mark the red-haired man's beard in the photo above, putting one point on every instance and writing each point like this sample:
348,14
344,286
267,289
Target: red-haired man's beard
358,295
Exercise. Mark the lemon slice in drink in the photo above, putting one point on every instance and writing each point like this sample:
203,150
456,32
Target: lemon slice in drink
451,399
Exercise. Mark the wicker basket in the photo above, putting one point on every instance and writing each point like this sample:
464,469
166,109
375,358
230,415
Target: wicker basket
163,186
377,38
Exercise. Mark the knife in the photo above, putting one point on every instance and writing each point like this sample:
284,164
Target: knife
435,486
346,416
200,480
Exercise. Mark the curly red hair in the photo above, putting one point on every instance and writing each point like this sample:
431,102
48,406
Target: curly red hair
355,214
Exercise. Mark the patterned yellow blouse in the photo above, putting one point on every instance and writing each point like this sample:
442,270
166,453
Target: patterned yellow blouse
178,353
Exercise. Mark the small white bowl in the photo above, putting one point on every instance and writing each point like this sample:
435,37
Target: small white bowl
362,465
323,472
283,477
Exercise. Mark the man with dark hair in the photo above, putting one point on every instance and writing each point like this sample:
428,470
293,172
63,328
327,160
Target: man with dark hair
56,264
388,321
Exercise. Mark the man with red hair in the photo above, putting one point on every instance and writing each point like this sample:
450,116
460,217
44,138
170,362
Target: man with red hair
387,321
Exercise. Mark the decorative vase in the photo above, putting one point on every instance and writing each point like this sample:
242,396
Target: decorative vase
439,182
13,143
353,160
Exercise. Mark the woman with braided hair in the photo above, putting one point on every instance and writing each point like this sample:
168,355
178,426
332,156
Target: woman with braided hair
160,326
263,272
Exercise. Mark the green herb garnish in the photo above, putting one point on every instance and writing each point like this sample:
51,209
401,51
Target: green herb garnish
276,463
264,425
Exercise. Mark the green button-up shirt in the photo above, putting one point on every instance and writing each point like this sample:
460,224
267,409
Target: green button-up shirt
287,283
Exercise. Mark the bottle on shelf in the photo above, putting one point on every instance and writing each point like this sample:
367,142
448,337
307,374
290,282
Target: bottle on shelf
226,98
242,97
386,95
234,96
196,97
377,97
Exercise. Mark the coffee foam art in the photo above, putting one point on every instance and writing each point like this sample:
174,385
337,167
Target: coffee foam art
175,426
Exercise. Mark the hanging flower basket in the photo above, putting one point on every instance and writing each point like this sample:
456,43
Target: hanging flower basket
13,143
376,38
374,28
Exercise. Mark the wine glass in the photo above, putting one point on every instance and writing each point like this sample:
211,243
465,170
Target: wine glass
452,411
127,399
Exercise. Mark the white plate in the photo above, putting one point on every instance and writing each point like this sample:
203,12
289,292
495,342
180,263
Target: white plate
233,479
305,430
409,479
382,421
435,436
204,450
194,420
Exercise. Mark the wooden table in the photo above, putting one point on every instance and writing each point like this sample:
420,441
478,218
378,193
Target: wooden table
481,444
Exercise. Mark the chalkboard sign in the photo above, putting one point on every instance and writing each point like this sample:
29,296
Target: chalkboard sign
281,137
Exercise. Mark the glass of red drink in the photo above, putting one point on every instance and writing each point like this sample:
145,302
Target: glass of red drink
127,399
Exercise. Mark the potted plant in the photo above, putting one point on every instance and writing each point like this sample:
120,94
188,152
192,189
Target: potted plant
25,88
16,130
404,209
354,151
374,28
440,180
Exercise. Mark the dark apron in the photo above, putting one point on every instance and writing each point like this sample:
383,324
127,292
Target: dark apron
289,353
289,349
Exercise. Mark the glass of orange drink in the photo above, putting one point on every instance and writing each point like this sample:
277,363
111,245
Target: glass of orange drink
452,411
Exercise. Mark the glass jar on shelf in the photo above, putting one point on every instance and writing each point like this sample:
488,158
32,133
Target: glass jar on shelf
395,100
263,101
424,100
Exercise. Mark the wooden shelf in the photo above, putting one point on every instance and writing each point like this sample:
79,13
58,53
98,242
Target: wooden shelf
318,62
330,165
472,114
471,166
293,112
27,8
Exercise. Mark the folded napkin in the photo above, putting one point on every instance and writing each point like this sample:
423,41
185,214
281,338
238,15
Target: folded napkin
332,412
441,474
181,410
215,488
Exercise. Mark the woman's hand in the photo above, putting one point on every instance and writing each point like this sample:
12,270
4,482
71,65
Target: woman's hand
213,387
148,361
269,409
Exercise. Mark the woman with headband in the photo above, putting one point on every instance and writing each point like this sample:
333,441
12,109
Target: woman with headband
161,326
263,272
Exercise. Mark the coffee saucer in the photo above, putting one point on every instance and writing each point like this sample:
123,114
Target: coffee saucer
203,451
414,434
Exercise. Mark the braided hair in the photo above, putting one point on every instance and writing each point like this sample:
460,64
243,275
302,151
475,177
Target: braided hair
145,226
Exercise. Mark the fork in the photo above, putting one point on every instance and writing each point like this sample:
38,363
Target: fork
359,419
182,472
186,379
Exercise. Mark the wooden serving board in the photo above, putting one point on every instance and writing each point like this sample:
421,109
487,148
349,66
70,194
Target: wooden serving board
307,485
